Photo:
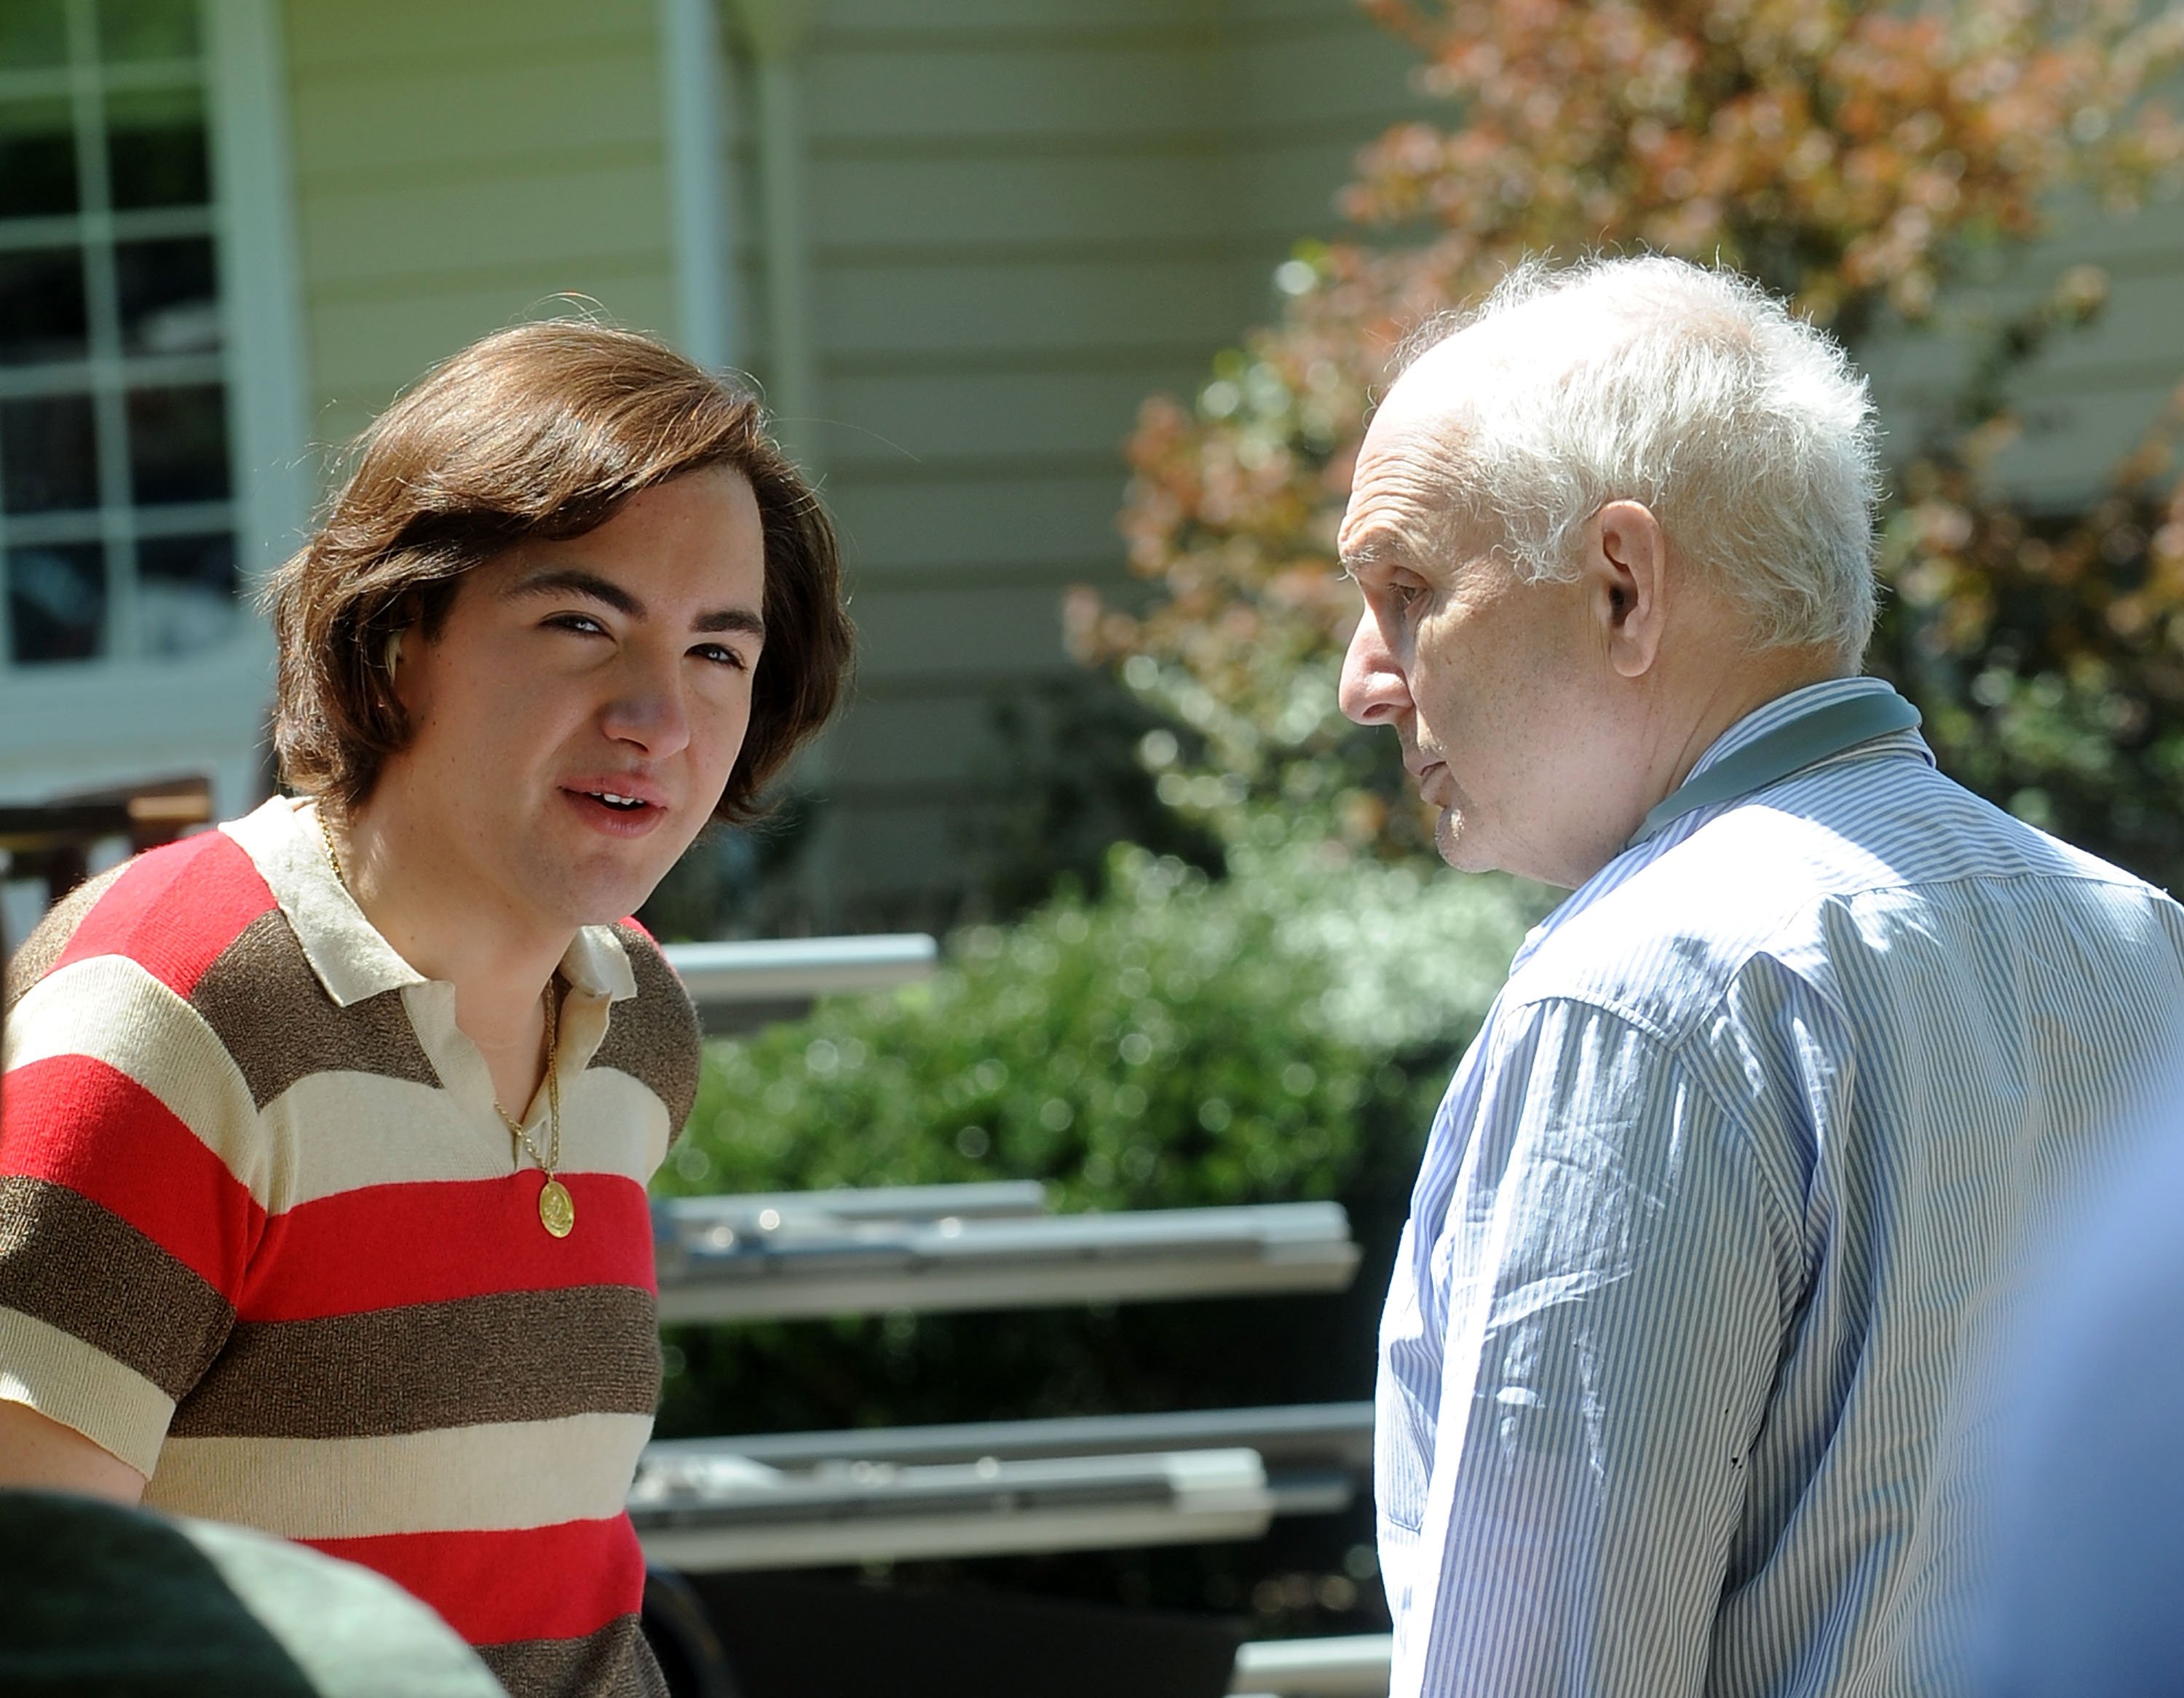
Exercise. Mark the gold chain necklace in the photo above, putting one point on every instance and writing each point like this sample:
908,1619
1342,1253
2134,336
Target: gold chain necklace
557,1208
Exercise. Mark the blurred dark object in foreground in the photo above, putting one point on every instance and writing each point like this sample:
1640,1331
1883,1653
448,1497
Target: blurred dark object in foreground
795,1635
54,840
102,1600
2087,1497
682,1636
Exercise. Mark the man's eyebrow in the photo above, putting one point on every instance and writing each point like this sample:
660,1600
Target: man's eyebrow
1374,549
731,619
571,580
566,581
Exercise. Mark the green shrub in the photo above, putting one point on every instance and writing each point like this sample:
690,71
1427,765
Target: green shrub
1179,1042
1280,1033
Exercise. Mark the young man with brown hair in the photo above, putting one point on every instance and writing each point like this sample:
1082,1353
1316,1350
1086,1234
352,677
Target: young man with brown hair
326,1134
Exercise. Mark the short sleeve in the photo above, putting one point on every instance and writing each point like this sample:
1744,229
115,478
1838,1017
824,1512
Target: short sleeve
652,1035
124,1230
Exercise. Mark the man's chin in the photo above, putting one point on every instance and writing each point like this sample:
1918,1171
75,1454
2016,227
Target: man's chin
598,895
1458,842
595,881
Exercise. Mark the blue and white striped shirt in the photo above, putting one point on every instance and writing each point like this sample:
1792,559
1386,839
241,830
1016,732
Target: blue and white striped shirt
1748,1154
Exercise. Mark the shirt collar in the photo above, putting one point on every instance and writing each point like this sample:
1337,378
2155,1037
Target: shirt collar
1780,711
345,950
1749,729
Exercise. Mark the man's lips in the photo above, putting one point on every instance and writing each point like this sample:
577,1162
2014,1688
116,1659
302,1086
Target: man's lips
619,804
1428,775
626,787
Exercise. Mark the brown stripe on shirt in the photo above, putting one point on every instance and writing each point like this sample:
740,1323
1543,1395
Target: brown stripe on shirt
266,1006
514,1355
43,947
56,1243
652,1035
613,1663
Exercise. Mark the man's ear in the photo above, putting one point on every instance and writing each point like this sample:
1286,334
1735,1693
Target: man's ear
400,648
1624,573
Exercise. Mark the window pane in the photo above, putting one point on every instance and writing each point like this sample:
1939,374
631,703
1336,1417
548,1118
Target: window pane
146,29
170,299
48,454
32,32
41,309
56,601
185,593
155,149
178,444
37,157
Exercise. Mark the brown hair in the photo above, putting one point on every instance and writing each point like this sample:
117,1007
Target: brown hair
542,430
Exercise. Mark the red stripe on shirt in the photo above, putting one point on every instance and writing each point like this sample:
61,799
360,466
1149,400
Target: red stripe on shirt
385,1246
559,1582
174,933
80,1122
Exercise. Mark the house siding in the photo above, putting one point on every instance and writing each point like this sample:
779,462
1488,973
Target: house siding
458,167
1026,216
2092,394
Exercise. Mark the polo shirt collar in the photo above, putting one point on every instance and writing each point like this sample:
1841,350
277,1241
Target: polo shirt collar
345,950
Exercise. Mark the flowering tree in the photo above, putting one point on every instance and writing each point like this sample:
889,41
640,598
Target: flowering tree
1869,164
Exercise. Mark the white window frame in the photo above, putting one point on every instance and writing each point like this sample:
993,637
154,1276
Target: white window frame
113,720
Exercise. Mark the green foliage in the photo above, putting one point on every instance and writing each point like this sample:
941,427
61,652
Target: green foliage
1180,1042
1069,784
1278,1034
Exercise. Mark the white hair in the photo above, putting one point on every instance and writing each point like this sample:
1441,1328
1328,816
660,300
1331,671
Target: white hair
1744,428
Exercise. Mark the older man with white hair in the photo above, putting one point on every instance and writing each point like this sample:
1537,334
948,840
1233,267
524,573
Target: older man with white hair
1754,1144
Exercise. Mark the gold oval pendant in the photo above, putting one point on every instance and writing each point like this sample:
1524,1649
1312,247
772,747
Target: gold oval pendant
557,1208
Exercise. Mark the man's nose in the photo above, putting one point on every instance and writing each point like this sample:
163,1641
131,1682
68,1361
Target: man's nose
1374,690
647,708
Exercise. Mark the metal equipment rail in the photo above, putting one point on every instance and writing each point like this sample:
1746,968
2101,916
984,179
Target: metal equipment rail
1354,1666
790,969
719,1259
785,1500
706,1511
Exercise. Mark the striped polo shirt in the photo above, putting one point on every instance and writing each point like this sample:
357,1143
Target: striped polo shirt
265,1237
